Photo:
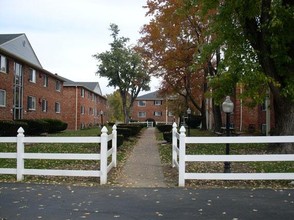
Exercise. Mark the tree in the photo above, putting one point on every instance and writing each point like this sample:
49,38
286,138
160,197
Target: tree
258,47
124,69
171,41
115,107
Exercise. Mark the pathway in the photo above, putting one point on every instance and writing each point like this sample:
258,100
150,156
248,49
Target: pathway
143,167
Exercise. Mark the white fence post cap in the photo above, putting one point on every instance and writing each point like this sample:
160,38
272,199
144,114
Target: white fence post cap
104,129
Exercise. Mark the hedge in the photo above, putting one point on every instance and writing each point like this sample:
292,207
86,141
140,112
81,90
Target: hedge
9,128
55,125
35,126
164,127
134,128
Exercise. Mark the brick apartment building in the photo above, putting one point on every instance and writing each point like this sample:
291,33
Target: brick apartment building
27,91
153,106
85,105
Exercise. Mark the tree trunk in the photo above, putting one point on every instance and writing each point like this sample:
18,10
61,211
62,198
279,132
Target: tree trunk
203,115
217,117
284,123
124,106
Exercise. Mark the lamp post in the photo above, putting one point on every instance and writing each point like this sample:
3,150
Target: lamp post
101,114
188,121
228,107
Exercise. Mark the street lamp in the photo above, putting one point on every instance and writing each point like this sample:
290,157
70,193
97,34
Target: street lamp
228,107
188,121
101,114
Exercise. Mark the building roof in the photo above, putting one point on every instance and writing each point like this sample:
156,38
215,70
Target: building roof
19,46
92,86
151,96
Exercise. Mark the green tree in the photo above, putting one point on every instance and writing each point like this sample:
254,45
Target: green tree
257,43
115,107
124,69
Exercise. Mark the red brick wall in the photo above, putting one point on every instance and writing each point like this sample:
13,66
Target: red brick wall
150,108
36,90
40,92
72,108
70,116
6,83
70,104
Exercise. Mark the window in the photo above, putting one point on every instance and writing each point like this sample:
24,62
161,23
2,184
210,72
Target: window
157,113
170,114
31,103
82,92
2,98
157,102
141,103
3,64
45,80
44,105
57,107
58,86
82,110
32,76
90,111
142,114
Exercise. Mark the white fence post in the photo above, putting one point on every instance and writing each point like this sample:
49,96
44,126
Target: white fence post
182,154
103,153
174,143
20,154
114,145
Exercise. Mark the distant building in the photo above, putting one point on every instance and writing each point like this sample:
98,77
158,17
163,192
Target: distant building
248,119
152,106
27,91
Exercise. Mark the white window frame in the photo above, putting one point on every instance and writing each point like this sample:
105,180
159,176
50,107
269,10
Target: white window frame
157,114
45,80
82,110
31,103
3,64
157,102
82,92
33,75
44,105
57,107
141,103
142,114
58,85
3,103
170,114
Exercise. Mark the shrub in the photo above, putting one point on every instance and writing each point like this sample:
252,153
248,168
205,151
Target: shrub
134,128
194,121
120,141
9,128
167,136
164,127
126,132
35,126
55,125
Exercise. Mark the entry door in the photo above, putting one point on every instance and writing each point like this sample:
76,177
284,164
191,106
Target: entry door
18,92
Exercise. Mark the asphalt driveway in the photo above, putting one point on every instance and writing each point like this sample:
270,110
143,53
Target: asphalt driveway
41,201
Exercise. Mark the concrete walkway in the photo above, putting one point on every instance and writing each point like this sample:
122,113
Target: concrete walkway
143,167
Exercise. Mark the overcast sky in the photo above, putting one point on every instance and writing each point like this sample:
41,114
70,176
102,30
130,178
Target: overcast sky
66,33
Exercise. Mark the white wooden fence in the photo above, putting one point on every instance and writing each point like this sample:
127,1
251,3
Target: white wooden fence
179,157
20,155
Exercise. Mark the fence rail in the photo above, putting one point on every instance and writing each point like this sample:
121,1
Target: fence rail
20,155
179,157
